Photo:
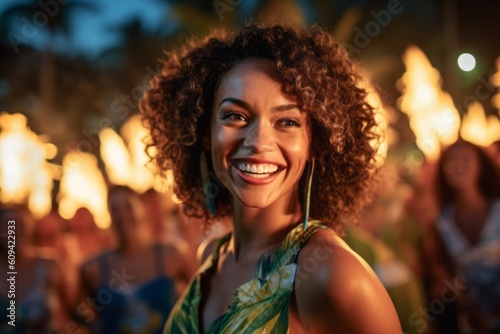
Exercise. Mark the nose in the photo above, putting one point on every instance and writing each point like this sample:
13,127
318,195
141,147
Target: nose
259,137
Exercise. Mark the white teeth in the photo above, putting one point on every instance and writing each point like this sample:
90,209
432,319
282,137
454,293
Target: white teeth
259,170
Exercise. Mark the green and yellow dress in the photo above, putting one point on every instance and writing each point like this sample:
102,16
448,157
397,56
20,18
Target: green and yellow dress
258,306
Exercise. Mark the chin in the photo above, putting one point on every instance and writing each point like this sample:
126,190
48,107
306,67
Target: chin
253,203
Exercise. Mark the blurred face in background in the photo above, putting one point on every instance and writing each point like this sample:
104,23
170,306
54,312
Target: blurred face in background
127,215
24,228
461,168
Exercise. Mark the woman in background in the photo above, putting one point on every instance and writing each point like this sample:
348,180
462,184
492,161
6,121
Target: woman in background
465,244
135,285
41,297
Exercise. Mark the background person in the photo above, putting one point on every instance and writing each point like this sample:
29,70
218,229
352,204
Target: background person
141,279
41,293
464,243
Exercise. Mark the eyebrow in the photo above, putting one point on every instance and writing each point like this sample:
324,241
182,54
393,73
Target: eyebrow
245,105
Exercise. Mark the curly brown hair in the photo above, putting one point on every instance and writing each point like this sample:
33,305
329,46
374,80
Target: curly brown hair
313,67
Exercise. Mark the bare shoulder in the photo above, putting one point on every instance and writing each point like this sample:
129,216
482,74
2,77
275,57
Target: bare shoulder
336,288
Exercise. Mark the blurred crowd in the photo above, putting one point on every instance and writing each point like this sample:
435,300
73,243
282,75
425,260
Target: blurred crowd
433,240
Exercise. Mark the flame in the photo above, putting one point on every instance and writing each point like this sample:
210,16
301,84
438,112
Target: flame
116,157
382,118
432,113
478,129
25,174
82,185
144,172
126,160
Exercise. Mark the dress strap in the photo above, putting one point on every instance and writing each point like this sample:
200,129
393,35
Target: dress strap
289,249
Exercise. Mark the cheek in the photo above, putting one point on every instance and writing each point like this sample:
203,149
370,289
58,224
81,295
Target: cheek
474,170
298,147
224,141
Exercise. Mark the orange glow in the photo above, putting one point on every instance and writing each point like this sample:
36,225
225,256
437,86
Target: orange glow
382,118
134,134
116,157
25,174
433,117
126,160
478,129
83,185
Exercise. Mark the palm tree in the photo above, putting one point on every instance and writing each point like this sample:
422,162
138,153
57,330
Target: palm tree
53,18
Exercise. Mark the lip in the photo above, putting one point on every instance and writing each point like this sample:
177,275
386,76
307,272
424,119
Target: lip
258,161
256,181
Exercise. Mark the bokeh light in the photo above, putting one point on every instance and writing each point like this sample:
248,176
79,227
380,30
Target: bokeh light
466,62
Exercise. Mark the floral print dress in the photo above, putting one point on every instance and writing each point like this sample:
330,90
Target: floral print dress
258,306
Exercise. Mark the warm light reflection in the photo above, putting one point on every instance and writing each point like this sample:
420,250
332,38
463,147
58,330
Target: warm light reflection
433,117
381,118
134,134
116,157
478,129
25,174
83,185
126,160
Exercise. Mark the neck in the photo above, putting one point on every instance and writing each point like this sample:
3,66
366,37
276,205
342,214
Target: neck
256,229
471,198
132,246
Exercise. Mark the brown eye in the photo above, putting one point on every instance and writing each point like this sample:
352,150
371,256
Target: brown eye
232,116
289,122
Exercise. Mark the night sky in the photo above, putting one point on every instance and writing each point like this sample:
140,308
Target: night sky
92,32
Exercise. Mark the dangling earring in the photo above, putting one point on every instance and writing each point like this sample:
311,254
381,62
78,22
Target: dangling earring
205,180
307,192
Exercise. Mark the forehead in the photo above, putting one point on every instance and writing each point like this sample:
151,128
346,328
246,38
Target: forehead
253,76
461,152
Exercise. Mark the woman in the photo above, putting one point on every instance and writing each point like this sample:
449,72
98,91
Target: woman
241,120
134,286
39,291
464,245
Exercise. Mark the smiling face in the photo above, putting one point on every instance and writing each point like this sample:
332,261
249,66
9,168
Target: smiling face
461,168
126,214
260,138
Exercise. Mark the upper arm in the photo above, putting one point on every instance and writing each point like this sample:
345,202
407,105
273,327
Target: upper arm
336,289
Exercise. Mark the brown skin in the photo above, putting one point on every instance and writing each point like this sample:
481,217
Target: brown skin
314,68
264,213
297,98
324,300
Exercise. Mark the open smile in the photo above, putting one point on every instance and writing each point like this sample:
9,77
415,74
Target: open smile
256,173
256,170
